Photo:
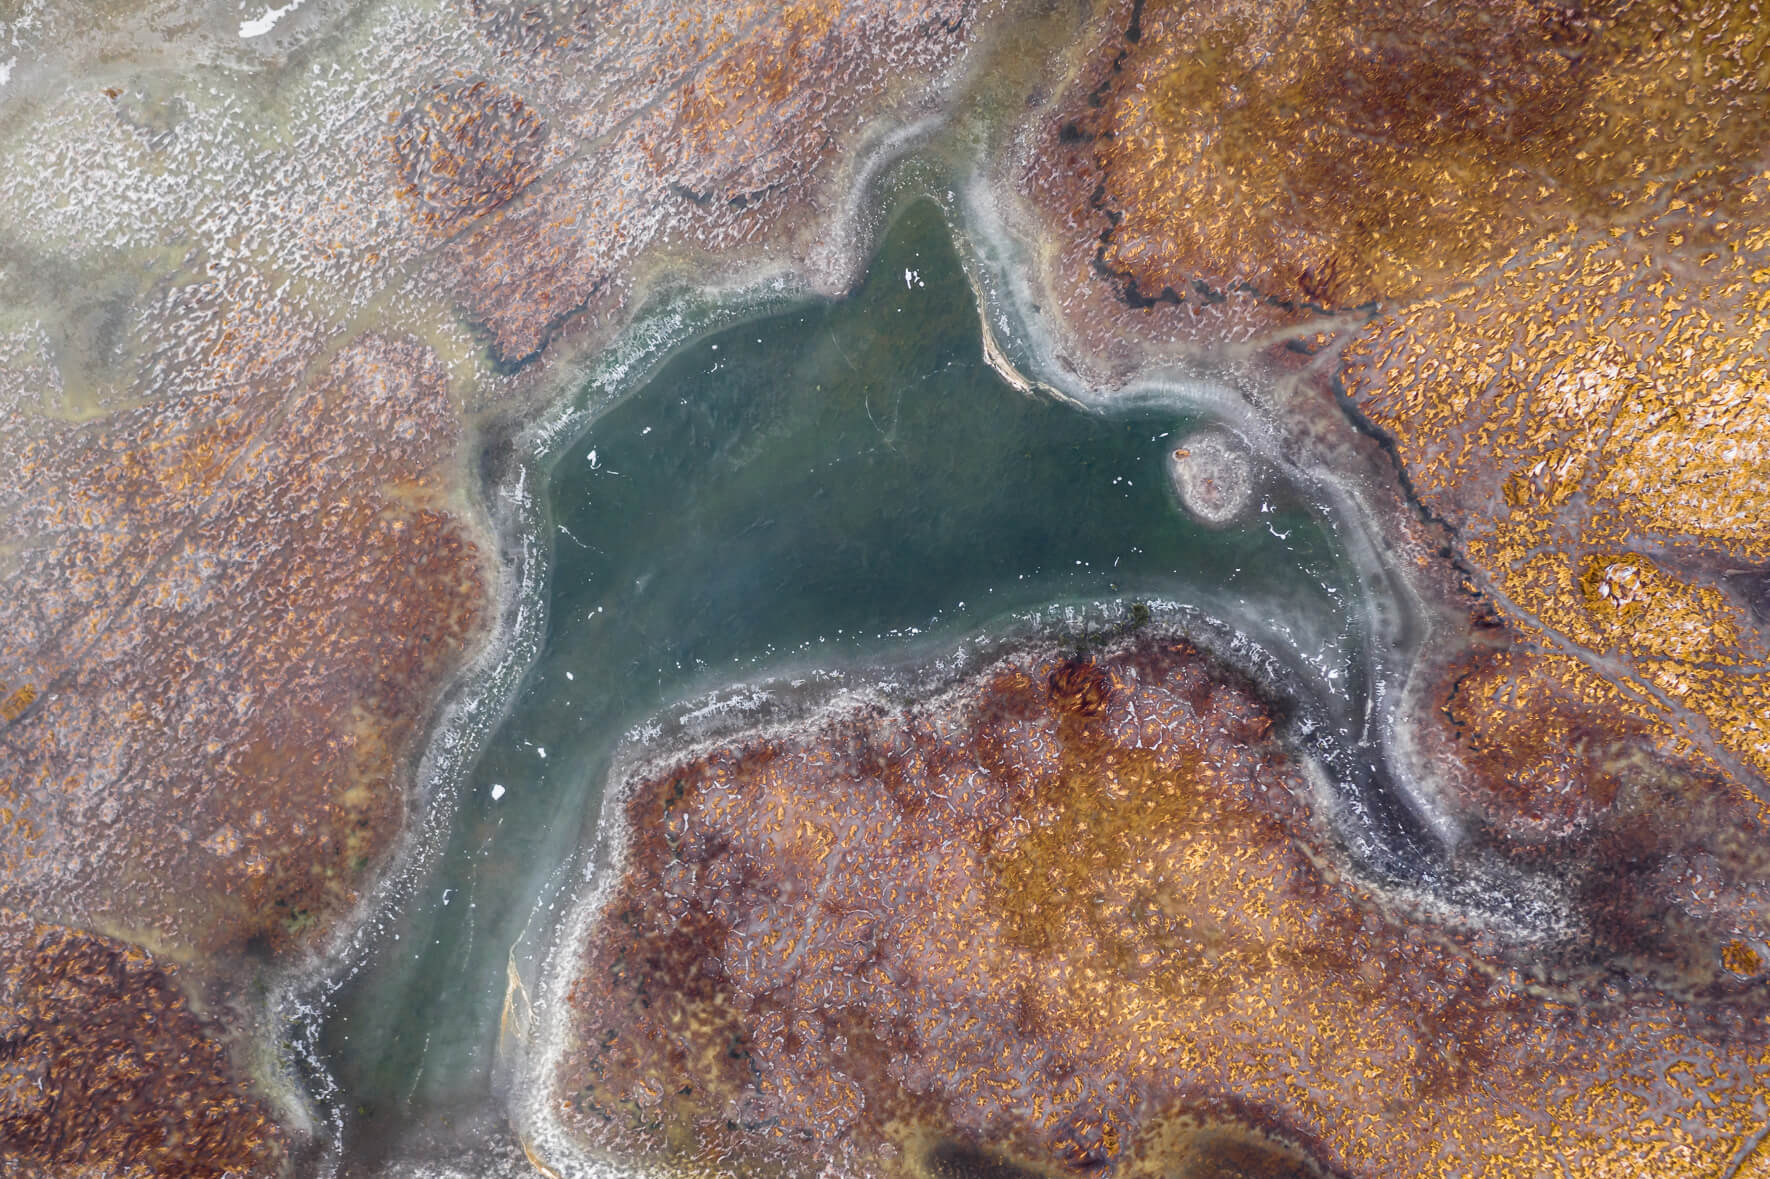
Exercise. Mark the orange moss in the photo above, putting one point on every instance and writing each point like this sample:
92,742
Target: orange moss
105,1070
251,616
1109,939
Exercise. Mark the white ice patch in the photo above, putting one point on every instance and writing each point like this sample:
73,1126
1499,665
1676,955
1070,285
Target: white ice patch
267,22
497,791
913,278
742,699
6,70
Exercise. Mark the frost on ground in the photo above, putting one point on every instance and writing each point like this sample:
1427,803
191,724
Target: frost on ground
1496,268
264,274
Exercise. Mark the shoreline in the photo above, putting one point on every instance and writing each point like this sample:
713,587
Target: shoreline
933,678
674,326
671,319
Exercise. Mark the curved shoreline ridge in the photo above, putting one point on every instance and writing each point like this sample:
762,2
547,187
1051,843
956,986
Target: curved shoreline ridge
1457,868
1075,912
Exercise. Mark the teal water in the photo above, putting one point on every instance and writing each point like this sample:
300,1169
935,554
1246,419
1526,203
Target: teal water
821,487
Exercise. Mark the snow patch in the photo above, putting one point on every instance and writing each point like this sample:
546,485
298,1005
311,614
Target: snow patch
267,22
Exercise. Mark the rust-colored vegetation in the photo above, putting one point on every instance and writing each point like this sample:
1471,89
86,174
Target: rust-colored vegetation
1077,917
235,611
467,147
728,130
106,1070
1345,154
1554,218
